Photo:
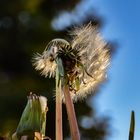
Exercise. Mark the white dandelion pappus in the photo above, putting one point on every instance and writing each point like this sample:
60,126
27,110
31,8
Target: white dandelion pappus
95,56
45,62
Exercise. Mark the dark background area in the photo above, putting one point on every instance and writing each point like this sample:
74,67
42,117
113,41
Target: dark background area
25,28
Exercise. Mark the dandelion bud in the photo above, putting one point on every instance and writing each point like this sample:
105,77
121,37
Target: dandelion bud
33,118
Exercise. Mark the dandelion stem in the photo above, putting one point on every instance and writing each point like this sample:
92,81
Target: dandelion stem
59,132
71,114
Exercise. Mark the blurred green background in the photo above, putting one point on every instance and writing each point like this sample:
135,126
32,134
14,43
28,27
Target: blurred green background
26,28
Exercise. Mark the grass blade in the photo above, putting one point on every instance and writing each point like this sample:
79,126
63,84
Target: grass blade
132,126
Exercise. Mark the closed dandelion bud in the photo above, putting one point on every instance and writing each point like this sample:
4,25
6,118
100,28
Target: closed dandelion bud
33,118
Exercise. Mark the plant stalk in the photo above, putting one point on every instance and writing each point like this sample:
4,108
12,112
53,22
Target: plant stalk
71,114
59,130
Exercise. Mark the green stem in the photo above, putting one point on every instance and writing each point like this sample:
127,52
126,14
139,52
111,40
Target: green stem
132,126
71,114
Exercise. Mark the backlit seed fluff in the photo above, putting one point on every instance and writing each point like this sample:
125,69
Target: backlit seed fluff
45,62
95,55
88,58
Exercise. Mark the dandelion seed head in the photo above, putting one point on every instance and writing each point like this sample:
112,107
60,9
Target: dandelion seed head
95,57
98,72
45,62
85,59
